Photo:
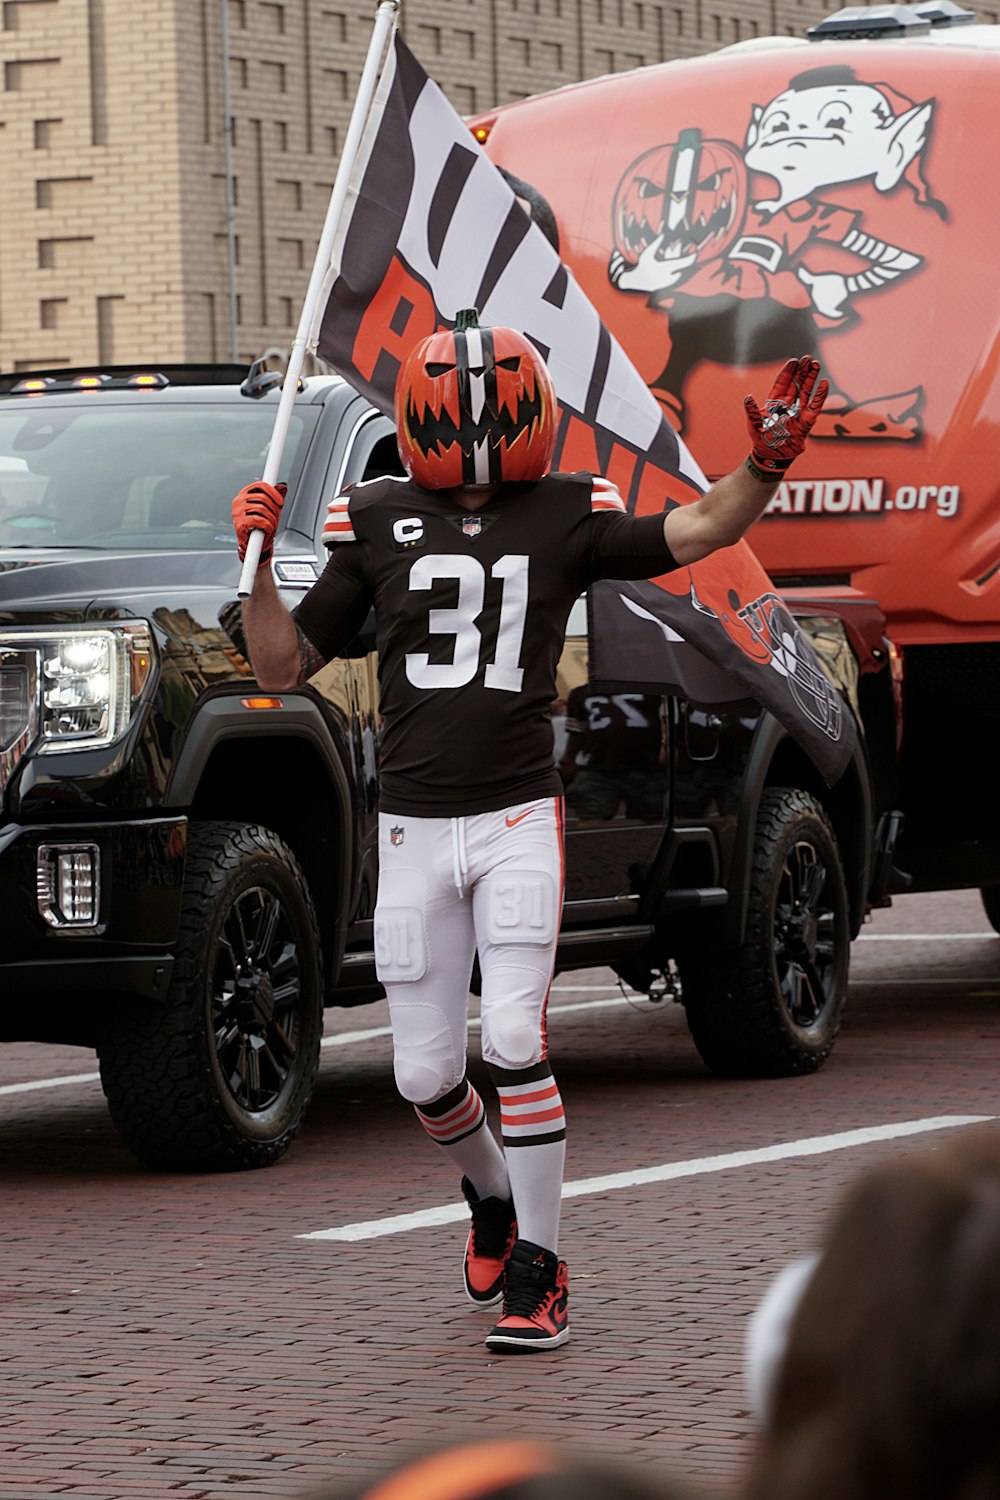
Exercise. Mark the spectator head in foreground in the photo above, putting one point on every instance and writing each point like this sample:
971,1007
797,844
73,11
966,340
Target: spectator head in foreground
505,1469
888,1383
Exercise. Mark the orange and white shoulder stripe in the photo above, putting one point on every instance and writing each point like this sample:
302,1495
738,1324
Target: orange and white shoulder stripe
338,526
604,495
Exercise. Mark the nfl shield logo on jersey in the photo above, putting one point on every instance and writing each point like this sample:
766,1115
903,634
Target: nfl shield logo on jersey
472,526
395,835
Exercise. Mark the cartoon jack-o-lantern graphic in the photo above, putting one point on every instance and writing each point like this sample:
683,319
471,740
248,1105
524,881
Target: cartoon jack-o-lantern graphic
475,406
689,196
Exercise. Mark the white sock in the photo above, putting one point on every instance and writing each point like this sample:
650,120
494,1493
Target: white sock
457,1123
533,1127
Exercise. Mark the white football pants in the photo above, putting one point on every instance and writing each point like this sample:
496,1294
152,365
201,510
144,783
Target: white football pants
450,886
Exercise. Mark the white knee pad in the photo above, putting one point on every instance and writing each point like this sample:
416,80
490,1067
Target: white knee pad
428,1059
417,1081
512,1034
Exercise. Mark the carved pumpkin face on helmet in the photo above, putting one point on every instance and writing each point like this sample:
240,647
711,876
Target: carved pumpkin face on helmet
475,406
692,193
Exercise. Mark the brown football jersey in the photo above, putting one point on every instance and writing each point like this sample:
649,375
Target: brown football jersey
471,611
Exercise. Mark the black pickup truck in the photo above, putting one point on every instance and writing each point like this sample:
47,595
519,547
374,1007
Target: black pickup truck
187,864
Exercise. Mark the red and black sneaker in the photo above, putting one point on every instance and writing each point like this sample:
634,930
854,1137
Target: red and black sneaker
535,1302
491,1237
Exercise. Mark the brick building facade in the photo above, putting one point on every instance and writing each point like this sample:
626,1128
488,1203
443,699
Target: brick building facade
113,232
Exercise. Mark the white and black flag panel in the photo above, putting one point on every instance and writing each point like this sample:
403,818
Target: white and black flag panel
430,227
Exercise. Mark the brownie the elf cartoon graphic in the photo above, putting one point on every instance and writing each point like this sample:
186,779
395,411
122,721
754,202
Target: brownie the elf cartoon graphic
742,278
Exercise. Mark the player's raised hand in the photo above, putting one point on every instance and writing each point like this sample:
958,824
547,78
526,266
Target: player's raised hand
778,433
257,507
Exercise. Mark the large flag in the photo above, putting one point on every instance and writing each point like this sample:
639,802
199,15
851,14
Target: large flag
431,227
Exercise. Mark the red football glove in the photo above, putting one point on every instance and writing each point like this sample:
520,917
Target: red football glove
257,507
778,434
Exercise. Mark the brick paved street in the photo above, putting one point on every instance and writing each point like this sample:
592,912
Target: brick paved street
172,1337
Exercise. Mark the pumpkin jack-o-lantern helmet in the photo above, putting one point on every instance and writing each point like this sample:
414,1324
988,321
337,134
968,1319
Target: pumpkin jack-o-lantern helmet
475,406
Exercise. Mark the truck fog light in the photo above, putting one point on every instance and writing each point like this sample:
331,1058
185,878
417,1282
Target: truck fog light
68,884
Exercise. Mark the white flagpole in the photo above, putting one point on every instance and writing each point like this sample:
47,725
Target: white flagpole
385,21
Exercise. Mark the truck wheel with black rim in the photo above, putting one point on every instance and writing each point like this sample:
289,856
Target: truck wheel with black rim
220,1076
773,1007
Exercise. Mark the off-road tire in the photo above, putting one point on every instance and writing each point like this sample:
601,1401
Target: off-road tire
773,1007
219,1078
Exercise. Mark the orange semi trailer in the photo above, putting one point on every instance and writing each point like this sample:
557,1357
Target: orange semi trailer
834,193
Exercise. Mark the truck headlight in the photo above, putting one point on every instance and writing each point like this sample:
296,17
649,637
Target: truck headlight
74,688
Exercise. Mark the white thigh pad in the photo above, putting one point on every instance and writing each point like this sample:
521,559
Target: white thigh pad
521,906
400,927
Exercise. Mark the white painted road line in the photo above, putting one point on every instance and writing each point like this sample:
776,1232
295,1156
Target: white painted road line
862,982
633,998
816,1145
924,937
343,1038
49,1083
596,989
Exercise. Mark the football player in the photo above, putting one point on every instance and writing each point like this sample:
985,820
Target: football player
472,564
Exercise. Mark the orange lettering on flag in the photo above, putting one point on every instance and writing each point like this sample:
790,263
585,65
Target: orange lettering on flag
657,486
579,455
399,315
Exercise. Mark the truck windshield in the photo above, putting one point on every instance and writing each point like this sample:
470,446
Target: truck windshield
121,476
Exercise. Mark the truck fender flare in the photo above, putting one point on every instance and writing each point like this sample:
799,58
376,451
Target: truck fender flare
848,804
224,718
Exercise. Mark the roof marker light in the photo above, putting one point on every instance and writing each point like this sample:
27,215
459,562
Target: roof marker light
30,387
945,13
856,22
